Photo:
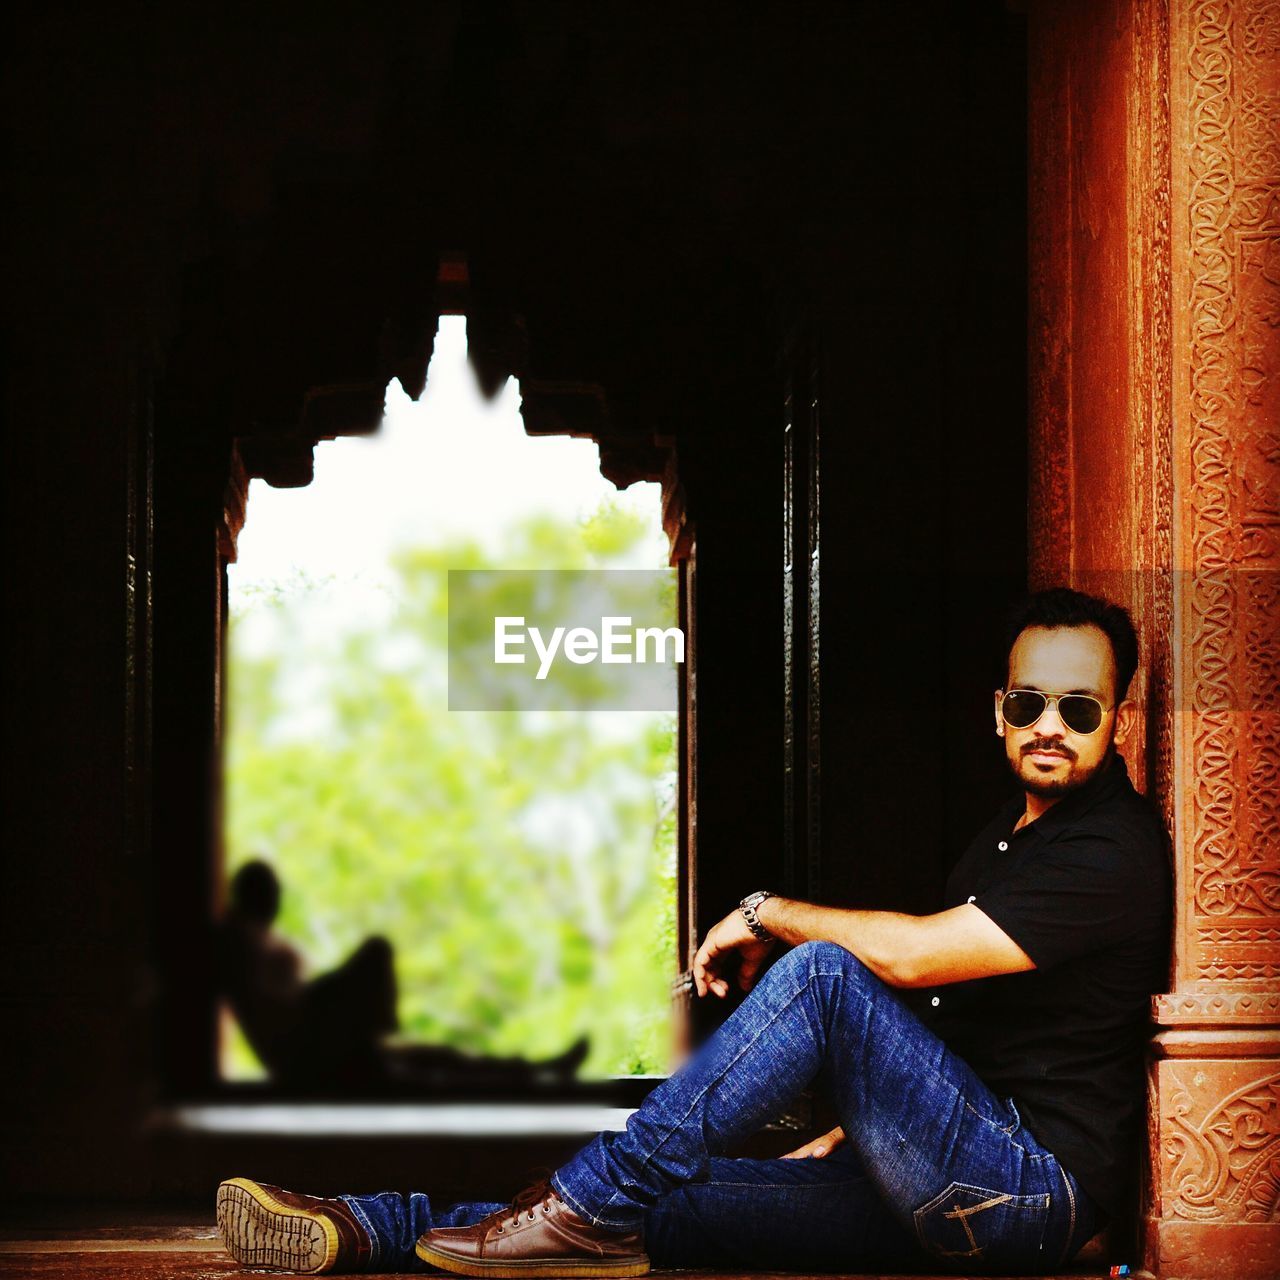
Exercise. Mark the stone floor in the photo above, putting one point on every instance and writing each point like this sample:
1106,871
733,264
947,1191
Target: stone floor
167,1247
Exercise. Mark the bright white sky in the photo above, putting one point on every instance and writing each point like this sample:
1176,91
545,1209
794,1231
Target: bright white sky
447,464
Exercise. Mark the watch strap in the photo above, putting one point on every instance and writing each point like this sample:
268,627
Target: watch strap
748,907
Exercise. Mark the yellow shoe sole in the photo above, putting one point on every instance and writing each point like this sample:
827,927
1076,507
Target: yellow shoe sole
582,1267
259,1231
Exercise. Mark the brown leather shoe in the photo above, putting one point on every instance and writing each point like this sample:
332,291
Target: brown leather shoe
265,1226
537,1235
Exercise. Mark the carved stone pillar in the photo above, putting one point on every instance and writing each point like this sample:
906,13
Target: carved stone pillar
1155,235
1216,1081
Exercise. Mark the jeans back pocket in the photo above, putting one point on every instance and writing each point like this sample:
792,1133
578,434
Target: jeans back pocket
979,1228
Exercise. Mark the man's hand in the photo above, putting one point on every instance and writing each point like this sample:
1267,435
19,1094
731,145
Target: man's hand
819,1147
730,935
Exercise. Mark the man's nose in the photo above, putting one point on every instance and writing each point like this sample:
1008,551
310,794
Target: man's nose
1050,723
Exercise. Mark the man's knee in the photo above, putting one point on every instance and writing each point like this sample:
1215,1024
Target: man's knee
374,961
375,949
820,956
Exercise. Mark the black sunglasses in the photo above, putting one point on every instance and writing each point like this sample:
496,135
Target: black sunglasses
1021,708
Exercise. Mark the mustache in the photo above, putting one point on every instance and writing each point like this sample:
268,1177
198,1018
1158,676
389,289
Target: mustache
1049,744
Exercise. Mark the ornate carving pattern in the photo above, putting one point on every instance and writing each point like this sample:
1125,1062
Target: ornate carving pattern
1243,972
1260,933
1241,954
1258,253
1213,551
1234,302
1226,1167
1159,292
1194,1008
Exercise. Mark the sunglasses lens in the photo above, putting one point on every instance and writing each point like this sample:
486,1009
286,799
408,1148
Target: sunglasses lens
1021,707
1080,714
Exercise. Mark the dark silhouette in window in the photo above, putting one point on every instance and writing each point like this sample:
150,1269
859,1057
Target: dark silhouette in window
326,1034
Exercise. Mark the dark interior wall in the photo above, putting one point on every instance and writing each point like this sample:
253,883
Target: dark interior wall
923,458
213,218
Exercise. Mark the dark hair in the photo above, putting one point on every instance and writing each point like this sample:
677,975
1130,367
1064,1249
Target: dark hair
255,891
1062,607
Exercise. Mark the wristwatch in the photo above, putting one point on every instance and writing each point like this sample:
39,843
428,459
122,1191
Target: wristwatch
748,908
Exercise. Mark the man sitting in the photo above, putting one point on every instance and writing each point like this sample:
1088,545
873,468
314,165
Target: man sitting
996,1132
326,1034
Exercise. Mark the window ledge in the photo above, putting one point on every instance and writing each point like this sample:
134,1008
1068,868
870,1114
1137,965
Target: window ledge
391,1119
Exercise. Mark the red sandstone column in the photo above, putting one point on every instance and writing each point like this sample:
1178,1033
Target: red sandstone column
1216,1086
1155,475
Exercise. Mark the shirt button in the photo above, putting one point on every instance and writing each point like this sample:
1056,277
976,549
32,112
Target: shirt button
936,1001
971,897
1003,845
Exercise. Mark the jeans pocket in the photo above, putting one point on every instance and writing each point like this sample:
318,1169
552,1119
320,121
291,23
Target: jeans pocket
1014,1112
979,1227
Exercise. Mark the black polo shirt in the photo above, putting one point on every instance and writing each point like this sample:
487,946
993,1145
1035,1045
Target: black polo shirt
1086,892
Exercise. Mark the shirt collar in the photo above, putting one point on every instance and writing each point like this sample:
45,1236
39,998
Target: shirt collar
1105,784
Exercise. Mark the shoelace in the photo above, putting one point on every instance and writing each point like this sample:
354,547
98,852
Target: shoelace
533,1194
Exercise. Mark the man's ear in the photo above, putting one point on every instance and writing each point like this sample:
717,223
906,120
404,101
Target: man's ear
999,717
1126,720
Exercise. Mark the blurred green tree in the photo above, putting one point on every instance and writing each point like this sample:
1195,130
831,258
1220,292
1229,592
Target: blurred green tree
521,864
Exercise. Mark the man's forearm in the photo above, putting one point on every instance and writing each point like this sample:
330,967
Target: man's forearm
886,942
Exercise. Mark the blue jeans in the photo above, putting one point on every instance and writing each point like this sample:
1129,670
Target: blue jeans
937,1172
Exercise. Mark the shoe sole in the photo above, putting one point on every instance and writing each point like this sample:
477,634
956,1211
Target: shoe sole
583,1267
259,1231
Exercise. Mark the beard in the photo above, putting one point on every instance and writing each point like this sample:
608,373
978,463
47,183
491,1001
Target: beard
1052,787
